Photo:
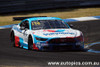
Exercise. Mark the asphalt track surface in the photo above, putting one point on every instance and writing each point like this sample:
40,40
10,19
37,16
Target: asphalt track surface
11,56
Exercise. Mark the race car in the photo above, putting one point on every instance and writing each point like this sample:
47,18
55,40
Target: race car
45,33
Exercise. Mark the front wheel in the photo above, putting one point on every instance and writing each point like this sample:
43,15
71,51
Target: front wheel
30,43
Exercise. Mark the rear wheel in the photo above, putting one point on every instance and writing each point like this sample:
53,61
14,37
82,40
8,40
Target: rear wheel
12,38
30,43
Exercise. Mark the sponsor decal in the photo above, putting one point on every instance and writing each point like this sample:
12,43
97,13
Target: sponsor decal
33,32
36,23
63,33
38,45
53,30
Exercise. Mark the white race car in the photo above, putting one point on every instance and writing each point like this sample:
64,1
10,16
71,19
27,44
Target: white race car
46,33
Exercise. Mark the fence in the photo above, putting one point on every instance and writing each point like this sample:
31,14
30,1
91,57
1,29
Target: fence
26,5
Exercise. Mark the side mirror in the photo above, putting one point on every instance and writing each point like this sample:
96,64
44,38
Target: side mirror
22,28
71,25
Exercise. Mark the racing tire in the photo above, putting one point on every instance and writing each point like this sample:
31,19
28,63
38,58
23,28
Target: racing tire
19,45
30,43
12,38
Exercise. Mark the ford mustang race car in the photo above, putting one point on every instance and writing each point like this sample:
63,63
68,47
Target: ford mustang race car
45,33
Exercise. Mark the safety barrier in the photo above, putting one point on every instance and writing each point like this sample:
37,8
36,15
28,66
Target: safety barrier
27,5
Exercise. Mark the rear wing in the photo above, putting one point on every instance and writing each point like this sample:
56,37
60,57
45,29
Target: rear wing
22,18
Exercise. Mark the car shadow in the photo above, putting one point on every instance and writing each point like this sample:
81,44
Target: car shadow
83,50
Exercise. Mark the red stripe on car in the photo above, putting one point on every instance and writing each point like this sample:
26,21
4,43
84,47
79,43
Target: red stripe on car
16,41
34,47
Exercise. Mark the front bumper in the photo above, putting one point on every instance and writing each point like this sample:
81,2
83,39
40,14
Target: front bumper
62,46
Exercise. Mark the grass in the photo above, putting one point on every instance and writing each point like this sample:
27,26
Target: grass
61,13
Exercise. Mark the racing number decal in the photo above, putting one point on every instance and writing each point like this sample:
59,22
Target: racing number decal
36,23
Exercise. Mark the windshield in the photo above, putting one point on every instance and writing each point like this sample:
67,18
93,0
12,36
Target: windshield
48,24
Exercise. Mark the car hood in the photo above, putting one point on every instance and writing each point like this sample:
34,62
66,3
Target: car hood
52,33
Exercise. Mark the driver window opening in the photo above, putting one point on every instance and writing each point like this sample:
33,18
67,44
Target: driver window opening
25,24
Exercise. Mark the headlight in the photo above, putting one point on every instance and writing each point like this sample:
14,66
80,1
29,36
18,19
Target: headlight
41,39
80,38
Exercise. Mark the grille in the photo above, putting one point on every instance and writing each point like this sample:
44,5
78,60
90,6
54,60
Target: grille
63,47
62,40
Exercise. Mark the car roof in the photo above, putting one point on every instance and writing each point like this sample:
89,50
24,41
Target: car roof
44,18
